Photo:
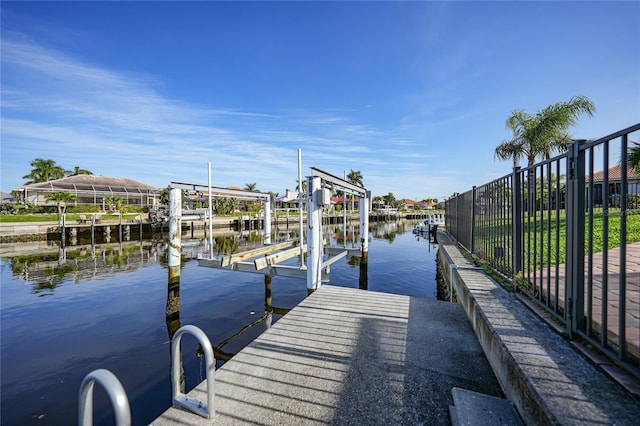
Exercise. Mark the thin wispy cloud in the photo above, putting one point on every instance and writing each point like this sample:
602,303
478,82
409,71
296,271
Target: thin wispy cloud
415,97
136,125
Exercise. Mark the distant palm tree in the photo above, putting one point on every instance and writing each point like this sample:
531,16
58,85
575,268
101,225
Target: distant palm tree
633,158
304,185
43,171
61,199
78,171
225,205
251,187
545,132
355,177
114,202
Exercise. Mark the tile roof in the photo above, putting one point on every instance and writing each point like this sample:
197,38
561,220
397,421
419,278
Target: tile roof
615,173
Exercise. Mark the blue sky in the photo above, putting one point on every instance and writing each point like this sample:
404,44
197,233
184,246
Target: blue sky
414,95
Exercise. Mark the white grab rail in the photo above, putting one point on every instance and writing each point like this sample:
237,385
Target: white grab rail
181,399
116,393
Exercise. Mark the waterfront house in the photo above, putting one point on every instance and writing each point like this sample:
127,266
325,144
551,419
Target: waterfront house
91,190
408,204
615,190
290,199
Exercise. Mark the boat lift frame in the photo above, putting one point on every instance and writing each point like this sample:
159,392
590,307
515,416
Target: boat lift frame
266,260
319,187
176,215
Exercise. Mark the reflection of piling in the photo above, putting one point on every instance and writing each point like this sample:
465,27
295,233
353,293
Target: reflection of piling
364,271
364,241
172,311
268,305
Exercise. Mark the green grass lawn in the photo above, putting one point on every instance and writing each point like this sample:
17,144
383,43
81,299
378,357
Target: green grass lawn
538,232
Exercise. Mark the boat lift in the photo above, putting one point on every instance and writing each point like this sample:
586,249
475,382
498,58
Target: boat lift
267,260
319,186
264,260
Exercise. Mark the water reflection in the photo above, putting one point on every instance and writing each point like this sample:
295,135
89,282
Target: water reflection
428,237
52,266
122,323
266,318
46,264
388,230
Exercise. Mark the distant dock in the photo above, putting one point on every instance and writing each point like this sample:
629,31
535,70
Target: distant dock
41,231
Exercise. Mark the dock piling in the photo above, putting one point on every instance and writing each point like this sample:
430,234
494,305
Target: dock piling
314,234
175,213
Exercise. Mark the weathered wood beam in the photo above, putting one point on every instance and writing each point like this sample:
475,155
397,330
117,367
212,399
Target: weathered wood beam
274,259
334,259
337,250
239,257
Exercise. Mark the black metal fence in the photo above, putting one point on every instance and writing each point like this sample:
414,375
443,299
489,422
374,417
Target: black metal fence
566,231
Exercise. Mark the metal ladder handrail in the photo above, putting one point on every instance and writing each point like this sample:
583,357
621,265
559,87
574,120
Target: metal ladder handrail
114,390
180,399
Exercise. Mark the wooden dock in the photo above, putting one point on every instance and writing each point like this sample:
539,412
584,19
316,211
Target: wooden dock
348,356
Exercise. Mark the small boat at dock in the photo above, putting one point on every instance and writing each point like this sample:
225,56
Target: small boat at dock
430,224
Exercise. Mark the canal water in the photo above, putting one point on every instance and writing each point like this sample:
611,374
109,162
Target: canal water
68,311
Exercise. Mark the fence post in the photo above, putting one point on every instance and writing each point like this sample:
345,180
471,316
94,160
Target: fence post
447,222
516,218
575,214
473,220
457,218
622,309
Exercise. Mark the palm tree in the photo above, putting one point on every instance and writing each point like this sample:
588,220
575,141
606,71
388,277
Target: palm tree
304,185
251,187
225,205
43,170
543,133
355,177
633,157
78,171
61,199
510,149
390,200
114,202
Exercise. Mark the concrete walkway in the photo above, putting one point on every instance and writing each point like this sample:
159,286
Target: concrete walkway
543,374
347,356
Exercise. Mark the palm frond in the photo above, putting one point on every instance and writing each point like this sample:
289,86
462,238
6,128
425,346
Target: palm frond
633,157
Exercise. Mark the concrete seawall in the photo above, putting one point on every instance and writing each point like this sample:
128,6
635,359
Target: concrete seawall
542,373
43,231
